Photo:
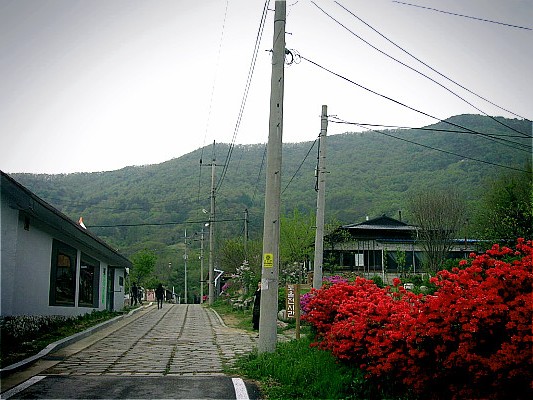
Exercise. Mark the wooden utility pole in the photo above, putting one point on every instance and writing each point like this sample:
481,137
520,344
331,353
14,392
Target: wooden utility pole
271,229
212,233
202,265
246,235
185,257
320,200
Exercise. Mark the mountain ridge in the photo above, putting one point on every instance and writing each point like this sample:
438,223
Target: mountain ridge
369,173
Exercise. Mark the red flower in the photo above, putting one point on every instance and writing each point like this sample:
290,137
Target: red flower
472,337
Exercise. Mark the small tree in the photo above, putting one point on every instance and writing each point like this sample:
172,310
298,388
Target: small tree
297,238
439,216
143,266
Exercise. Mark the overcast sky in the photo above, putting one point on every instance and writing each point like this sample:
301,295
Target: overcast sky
97,85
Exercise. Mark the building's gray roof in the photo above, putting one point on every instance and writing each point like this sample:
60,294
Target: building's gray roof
381,223
21,198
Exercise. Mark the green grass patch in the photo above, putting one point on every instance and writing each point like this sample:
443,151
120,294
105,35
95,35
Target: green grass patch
236,318
298,371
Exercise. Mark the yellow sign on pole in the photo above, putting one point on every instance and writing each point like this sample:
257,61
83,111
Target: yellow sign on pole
268,260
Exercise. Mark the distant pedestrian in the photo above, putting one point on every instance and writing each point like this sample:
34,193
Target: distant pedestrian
159,294
134,294
256,308
140,295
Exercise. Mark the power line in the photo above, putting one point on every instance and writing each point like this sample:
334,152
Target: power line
340,121
403,104
223,28
434,130
299,167
162,223
429,66
259,174
462,15
402,63
245,94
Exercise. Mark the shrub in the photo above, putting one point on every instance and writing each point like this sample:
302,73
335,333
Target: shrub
472,338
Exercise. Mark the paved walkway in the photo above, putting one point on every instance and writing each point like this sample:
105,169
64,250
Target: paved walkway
175,340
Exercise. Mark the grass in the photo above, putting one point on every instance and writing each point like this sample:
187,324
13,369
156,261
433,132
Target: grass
296,370
241,319
25,336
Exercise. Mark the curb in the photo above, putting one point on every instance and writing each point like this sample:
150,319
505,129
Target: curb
64,342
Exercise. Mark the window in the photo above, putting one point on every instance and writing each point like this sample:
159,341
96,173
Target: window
88,296
63,274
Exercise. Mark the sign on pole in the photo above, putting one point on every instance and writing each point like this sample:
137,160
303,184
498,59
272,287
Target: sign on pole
291,301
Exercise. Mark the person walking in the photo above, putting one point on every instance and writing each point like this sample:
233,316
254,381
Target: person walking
256,309
159,295
134,294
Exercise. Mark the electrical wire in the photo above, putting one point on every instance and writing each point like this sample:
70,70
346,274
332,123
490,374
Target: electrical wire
341,121
161,223
245,94
408,66
427,65
433,129
299,167
259,174
405,105
223,29
462,15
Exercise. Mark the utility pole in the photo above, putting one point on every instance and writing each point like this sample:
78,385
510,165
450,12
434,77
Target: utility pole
212,233
185,256
271,229
246,235
320,200
202,265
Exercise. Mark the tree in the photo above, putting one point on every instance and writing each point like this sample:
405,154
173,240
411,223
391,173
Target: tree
439,215
143,266
507,207
334,234
232,256
297,238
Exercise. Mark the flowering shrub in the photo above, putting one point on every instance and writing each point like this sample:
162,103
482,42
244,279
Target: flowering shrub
471,339
28,326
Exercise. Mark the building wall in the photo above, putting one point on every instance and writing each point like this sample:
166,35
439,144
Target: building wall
32,270
8,254
26,257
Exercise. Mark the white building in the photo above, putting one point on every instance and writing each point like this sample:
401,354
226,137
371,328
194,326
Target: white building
49,264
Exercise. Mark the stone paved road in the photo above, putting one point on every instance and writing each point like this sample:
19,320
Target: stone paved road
180,351
175,340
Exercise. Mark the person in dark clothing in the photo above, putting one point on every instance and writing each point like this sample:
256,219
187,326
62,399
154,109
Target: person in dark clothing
159,295
134,294
256,308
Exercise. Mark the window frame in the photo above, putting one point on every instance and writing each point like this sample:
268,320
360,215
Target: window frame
66,252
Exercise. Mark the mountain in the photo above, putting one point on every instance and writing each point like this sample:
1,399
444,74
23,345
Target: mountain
370,173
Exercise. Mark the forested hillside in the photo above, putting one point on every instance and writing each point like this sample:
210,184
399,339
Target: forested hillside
370,173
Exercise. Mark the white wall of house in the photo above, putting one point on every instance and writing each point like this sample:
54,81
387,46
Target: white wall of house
32,271
8,255
25,269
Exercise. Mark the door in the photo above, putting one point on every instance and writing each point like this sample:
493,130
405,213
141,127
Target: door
110,298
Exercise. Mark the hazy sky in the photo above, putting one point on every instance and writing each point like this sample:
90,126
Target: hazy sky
97,85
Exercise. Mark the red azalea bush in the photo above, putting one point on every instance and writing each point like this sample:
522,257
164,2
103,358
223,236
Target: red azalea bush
471,339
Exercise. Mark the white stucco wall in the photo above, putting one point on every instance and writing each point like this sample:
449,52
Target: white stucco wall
32,271
8,254
25,270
